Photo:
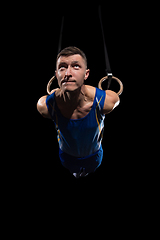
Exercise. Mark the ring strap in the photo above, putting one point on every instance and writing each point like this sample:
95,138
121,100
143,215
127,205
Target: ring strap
105,78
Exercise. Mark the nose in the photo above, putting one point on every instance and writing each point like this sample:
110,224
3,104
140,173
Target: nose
68,72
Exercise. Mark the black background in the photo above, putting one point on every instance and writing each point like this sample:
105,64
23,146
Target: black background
81,29
37,188
38,28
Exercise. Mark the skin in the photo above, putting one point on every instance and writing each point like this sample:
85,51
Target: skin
73,97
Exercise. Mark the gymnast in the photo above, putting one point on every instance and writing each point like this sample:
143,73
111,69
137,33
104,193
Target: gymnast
78,111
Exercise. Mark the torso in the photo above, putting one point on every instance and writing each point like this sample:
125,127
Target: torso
82,109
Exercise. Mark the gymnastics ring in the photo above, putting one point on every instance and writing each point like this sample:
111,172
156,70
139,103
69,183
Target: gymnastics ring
49,84
99,84
105,78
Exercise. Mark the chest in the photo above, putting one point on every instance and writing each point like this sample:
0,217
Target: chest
75,112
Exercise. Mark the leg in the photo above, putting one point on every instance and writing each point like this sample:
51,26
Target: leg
82,173
77,175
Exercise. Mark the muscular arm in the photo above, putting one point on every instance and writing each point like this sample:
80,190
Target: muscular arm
42,107
112,100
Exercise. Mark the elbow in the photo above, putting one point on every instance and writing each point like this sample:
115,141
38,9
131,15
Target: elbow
42,108
116,101
39,106
116,104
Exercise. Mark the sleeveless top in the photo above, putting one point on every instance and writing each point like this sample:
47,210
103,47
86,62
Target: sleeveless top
79,137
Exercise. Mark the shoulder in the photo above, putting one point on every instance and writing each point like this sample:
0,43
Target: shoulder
45,102
96,94
90,91
93,91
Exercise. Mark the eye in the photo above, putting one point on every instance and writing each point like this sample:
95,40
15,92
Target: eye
76,66
62,67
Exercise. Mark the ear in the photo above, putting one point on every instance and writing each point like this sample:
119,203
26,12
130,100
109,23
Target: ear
87,74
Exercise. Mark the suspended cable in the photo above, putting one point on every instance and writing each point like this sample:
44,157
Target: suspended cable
108,67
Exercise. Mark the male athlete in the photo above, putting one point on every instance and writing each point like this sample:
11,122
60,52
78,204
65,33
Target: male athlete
78,111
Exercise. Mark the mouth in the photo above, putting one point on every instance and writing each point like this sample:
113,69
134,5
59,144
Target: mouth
67,81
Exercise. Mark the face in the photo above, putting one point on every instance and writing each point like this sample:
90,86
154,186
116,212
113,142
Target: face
71,72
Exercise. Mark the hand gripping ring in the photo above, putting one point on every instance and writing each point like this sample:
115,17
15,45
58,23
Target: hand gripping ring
49,84
105,78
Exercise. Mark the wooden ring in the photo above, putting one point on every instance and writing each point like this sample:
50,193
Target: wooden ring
105,78
99,84
49,84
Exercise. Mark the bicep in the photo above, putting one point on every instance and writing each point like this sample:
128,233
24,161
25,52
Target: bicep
111,101
42,107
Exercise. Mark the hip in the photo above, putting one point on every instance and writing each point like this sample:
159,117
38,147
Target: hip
90,162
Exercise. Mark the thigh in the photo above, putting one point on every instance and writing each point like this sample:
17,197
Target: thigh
92,163
70,162
74,165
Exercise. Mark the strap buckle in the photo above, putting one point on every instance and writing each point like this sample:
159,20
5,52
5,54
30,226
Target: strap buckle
109,74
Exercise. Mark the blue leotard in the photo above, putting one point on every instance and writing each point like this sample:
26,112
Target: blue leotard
80,140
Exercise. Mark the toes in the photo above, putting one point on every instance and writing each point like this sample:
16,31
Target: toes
76,175
83,174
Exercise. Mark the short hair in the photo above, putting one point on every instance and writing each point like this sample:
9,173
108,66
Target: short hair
69,51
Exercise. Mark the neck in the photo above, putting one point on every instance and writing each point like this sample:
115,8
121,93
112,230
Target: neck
74,98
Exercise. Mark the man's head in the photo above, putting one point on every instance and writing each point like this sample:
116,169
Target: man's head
69,51
71,68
